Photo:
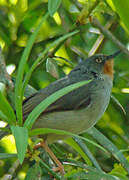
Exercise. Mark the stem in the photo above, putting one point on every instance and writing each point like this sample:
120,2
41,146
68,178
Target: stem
98,43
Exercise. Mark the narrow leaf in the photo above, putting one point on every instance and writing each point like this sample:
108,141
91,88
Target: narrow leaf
77,148
44,165
104,141
91,173
42,131
21,140
91,176
20,73
87,152
3,117
33,172
6,110
56,42
53,6
118,103
99,176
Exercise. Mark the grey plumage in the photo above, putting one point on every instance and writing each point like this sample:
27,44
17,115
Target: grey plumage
78,110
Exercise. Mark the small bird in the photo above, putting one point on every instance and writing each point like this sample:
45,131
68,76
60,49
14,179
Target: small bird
80,109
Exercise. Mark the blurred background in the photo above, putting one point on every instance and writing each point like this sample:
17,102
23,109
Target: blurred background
18,19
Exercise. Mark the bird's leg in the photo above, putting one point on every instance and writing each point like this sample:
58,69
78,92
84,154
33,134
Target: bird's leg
44,145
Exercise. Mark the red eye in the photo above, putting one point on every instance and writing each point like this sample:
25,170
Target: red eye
98,60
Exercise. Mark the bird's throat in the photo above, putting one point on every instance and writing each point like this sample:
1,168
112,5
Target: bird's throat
108,68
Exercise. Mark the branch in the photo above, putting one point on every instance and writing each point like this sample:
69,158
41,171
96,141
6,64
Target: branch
85,13
109,35
99,40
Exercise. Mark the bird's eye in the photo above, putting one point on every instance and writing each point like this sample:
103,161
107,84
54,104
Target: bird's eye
98,60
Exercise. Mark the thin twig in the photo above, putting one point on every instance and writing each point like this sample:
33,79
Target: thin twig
109,35
80,21
84,14
112,29
99,40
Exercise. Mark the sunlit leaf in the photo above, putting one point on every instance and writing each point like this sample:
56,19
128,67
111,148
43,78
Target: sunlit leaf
53,6
119,171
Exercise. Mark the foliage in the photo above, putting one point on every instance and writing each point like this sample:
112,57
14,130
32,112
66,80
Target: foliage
43,40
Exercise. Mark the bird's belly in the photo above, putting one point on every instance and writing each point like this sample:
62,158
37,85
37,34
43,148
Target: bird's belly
75,121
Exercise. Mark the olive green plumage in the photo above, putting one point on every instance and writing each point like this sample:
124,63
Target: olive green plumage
80,109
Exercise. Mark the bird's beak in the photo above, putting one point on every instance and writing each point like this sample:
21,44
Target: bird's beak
113,55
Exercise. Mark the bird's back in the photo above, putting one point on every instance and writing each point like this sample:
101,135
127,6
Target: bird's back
78,110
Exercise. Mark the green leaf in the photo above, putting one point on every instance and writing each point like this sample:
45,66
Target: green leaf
75,146
42,131
21,140
7,155
98,176
18,86
88,172
3,117
81,174
118,104
49,100
87,152
104,141
56,42
122,8
52,68
6,111
33,172
4,36
119,171
53,5
44,165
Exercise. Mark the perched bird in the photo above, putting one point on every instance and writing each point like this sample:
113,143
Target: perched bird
80,109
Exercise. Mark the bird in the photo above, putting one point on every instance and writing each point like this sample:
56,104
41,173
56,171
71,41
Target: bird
78,110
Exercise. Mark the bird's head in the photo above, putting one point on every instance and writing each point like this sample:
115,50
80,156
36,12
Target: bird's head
101,63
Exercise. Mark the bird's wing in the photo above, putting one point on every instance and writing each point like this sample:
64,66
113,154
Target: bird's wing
76,99
31,102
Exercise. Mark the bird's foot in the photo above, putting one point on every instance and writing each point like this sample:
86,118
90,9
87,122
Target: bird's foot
59,167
